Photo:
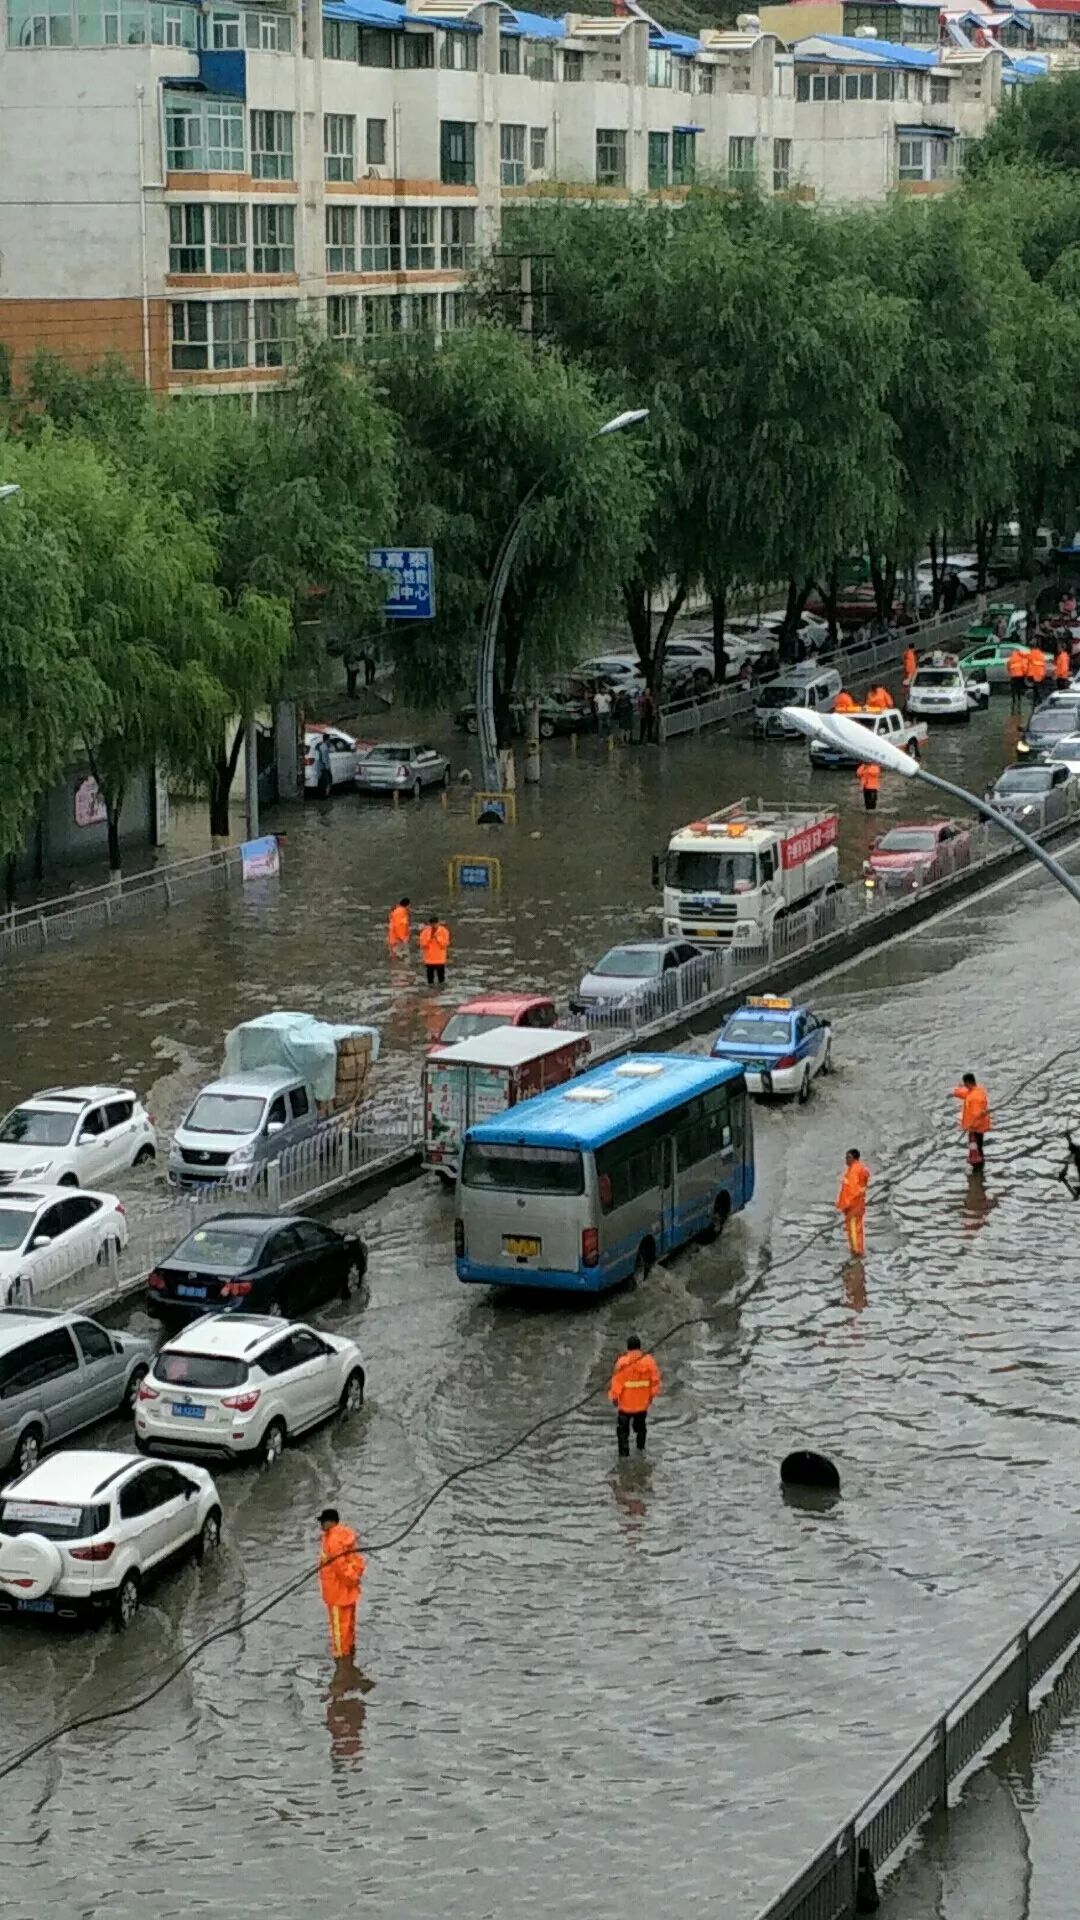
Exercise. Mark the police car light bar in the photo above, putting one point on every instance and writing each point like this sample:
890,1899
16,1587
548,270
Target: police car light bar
836,730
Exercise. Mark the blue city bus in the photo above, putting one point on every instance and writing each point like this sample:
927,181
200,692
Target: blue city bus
588,1184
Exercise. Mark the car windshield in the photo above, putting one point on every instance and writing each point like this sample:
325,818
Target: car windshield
30,1127
198,1370
1068,749
1023,780
465,1026
712,872
15,1224
52,1521
225,1113
631,963
216,1247
743,1030
908,840
523,1169
781,696
1054,720
936,677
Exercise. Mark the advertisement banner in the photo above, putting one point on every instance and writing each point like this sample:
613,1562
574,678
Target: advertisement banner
809,840
260,859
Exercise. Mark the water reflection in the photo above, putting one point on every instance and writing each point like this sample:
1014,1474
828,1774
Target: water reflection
346,1711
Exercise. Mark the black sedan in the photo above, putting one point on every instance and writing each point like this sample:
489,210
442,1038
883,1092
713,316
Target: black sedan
256,1263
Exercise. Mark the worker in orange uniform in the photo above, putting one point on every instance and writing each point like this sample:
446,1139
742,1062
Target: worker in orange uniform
974,1117
1017,668
341,1570
1062,668
878,699
844,702
434,949
868,774
635,1383
911,662
1036,674
851,1200
398,928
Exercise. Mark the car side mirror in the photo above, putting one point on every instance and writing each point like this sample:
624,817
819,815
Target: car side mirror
275,1126
41,1240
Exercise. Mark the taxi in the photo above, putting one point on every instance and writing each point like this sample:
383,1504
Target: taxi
781,1046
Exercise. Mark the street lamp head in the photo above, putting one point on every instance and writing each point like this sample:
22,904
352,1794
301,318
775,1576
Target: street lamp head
837,730
622,420
8,492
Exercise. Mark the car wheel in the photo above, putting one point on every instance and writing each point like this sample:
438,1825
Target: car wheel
472,724
131,1391
805,1088
646,1254
416,789
547,730
273,1443
125,1601
826,1065
354,1277
144,1156
209,1539
68,1180
352,1393
28,1451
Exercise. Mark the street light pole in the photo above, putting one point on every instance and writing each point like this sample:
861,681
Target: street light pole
489,626
9,491
852,738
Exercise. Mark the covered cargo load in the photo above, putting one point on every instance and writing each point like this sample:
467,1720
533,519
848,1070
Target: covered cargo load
334,1059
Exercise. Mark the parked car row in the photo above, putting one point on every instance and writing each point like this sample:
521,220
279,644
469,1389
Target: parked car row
384,766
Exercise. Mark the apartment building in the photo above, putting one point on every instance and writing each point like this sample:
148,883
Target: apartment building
185,184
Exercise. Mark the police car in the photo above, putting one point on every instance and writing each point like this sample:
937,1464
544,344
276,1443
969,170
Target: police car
781,1046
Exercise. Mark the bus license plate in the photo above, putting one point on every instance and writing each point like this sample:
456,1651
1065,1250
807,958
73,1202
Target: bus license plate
521,1247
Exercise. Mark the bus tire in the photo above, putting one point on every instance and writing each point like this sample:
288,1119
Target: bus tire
720,1212
646,1254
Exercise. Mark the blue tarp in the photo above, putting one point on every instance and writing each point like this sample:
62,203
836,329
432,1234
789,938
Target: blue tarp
296,1041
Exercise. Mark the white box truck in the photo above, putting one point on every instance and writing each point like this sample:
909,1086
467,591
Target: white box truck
731,875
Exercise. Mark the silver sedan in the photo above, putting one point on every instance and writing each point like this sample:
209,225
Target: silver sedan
399,766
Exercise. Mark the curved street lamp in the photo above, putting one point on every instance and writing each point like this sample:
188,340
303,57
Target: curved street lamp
489,630
8,492
852,738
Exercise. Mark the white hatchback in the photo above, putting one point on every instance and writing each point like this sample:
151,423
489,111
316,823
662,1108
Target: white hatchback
75,1137
245,1384
49,1233
345,752
81,1532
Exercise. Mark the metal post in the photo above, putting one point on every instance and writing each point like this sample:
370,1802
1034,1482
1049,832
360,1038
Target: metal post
942,1746
251,777
532,744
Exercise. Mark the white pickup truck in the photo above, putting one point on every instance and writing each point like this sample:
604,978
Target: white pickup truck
888,723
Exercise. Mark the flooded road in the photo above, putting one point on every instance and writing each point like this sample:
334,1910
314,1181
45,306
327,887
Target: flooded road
652,1688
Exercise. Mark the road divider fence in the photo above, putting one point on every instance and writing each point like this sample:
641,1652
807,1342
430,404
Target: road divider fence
51,923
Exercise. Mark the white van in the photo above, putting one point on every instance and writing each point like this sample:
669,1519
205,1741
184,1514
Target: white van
807,686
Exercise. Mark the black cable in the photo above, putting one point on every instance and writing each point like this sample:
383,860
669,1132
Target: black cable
558,1414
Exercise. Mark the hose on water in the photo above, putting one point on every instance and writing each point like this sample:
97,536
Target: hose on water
78,1722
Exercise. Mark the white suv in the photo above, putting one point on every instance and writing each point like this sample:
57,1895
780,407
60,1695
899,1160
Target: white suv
75,1137
245,1384
81,1531
49,1233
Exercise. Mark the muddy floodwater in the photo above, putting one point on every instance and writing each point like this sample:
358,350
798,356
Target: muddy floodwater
589,1688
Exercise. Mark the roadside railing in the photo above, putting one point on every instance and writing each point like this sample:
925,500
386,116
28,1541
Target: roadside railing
1004,1692
51,922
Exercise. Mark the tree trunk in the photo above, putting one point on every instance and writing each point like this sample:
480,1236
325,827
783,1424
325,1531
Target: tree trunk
982,552
796,600
718,592
1029,517
11,864
221,778
937,571
113,804
663,633
503,690
883,578
639,620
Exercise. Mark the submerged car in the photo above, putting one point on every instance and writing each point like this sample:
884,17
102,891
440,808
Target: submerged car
781,1046
345,754
401,766
640,979
941,690
917,852
1058,717
1035,792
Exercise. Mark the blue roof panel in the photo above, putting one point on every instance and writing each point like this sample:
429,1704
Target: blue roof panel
563,1118
878,53
535,26
369,13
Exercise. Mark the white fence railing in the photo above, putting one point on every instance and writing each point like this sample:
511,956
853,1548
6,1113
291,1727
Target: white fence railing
51,922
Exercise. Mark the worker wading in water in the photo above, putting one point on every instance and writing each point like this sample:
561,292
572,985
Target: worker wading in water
341,1571
851,1200
974,1118
634,1386
868,774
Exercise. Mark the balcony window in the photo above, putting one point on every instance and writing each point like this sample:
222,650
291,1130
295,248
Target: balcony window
781,165
228,238
341,239
271,145
457,152
209,334
339,146
375,143
275,333
512,156
573,64
457,248
419,223
187,239
742,161
456,311
683,158
537,149
509,55
273,240
540,60
658,67
343,320
912,159
376,252
610,157
457,53
659,174
204,136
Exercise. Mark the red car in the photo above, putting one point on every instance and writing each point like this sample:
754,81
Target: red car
495,1010
917,852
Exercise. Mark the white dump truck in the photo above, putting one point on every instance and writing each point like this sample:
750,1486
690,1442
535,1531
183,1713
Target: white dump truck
731,875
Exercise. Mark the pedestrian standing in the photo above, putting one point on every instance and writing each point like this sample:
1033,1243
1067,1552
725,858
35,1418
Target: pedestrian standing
435,949
398,928
624,714
868,774
646,715
341,1571
974,1118
324,770
911,662
1031,623
1062,668
1017,669
635,1383
602,706
1036,674
369,669
851,1200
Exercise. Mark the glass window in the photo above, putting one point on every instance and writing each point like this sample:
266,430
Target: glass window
683,158
741,159
340,40
817,86
343,319
419,239
456,311
537,149
851,86
224,137
512,156
273,242
707,80
832,86
382,314
911,159
509,55
300,1107
419,312
883,86
684,75
187,239
229,325
540,59
266,32
457,141
514,1169
458,238
191,343
414,50
341,239
198,1370
93,1340
275,333
939,90
228,239
271,145
339,146
781,178
376,47
224,30
172,26
375,144
457,52
610,157
802,86
658,159
375,240
32,1127
573,64
866,86
183,137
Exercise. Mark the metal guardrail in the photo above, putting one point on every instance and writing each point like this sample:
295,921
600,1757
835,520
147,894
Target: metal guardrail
1003,1692
50,922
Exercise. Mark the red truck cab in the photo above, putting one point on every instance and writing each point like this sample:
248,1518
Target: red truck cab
491,1010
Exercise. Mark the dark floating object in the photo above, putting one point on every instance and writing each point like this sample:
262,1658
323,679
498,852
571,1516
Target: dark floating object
806,1469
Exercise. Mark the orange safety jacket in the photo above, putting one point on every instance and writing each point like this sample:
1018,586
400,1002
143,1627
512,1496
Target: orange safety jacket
852,1195
868,774
975,1112
635,1381
434,944
1062,665
878,699
911,663
1036,664
341,1567
1017,664
844,703
397,927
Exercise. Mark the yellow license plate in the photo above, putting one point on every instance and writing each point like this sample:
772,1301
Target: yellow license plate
522,1247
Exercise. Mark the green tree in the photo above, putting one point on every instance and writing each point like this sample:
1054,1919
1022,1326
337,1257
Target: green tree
1040,124
481,421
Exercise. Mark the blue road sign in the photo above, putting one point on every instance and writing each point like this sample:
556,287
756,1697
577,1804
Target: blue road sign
410,575
474,876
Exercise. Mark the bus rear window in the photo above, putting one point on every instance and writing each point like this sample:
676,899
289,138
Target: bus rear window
512,1169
